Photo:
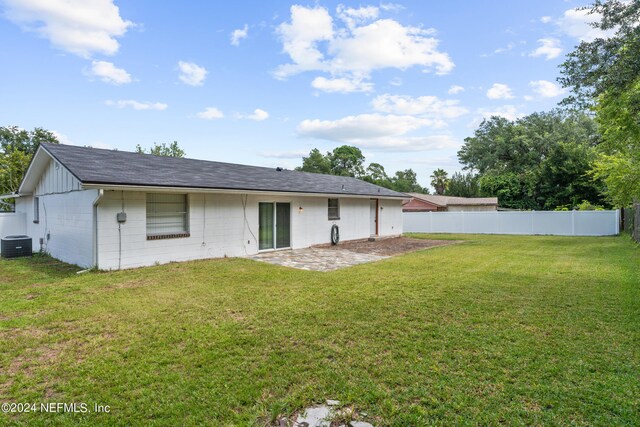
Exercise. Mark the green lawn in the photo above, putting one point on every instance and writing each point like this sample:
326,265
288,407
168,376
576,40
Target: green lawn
499,329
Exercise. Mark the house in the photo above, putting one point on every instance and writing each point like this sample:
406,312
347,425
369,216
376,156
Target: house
114,209
435,203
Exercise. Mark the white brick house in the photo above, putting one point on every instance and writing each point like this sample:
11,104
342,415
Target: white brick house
113,209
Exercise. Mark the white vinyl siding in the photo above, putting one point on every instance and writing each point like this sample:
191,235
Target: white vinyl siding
167,214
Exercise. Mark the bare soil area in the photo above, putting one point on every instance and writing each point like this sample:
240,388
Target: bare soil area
391,246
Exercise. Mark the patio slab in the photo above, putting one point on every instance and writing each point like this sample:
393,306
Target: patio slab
316,259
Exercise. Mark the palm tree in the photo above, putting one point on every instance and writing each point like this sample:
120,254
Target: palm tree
439,181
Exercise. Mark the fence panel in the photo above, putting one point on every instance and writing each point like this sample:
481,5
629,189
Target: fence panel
12,223
571,223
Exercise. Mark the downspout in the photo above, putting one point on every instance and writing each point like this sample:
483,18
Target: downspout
95,226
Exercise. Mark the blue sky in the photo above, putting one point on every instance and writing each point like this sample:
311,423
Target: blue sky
265,82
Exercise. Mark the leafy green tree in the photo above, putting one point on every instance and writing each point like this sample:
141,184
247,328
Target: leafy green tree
17,147
376,174
605,74
316,162
512,190
619,162
463,185
439,181
347,161
539,161
605,64
15,138
563,177
406,181
171,150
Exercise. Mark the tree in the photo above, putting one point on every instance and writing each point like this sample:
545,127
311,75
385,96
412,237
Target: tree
316,162
347,161
604,74
15,138
171,150
605,64
376,174
463,185
17,147
406,181
439,181
540,161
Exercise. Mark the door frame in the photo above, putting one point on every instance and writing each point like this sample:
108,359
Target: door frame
274,203
377,218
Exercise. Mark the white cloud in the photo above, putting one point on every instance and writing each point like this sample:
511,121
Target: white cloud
430,107
376,131
130,103
577,24
82,27
356,45
509,112
391,7
109,73
258,115
62,138
455,89
507,48
239,34
546,89
387,44
549,48
210,113
300,38
191,73
545,19
396,81
342,85
499,91
354,17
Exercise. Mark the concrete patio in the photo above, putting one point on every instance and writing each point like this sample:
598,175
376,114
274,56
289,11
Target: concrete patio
316,259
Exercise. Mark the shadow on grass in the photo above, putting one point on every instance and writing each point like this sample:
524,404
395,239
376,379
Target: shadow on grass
41,265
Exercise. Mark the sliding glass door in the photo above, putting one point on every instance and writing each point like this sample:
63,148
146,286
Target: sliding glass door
274,228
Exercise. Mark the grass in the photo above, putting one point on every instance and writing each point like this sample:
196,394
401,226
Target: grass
499,329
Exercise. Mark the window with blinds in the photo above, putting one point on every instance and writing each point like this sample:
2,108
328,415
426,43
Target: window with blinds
167,215
334,209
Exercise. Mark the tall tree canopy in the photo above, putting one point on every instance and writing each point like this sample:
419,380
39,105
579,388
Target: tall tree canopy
17,147
604,74
349,161
607,64
440,180
540,161
170,150
463,185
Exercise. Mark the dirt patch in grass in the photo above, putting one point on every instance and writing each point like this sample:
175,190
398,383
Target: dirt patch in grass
391,246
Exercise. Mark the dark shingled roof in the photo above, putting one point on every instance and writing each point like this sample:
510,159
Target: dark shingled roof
98,166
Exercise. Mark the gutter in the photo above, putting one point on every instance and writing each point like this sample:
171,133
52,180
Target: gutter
95,226
9,196
148,188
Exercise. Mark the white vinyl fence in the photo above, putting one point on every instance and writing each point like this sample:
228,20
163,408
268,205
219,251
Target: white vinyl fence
12,223
559,223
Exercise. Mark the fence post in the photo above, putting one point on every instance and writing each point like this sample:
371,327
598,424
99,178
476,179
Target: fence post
573,222
533,214
430,222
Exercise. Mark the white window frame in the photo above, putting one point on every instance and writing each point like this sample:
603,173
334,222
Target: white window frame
336,215
36,210
151,215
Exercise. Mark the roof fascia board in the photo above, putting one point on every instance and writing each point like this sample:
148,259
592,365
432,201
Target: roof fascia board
35,162
230,191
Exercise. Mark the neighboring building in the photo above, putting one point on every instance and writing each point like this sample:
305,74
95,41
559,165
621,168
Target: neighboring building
115,209
434,203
